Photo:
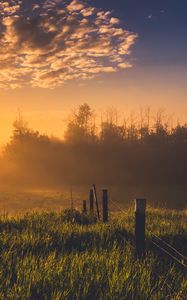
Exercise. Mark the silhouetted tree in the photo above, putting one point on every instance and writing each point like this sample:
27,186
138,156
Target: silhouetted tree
111,133
81,127
179,134
136,152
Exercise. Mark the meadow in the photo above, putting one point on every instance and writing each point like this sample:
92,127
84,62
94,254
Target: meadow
57,255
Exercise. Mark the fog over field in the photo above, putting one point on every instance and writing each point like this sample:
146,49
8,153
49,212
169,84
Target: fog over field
142,157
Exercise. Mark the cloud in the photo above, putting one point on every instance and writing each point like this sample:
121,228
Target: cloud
75,6
46,43
114,21
87,12
125,65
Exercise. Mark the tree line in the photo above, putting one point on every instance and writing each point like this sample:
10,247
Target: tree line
143,152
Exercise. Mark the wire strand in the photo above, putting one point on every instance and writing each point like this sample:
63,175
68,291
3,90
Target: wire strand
116,205
169,254
171,247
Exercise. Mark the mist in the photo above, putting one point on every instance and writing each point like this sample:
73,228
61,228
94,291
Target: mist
133,158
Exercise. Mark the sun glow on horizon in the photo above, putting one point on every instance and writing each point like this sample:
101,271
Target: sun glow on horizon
87,54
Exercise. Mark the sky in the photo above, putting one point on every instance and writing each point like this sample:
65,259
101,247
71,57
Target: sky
58,54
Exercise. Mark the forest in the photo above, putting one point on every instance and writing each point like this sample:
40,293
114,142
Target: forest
141,154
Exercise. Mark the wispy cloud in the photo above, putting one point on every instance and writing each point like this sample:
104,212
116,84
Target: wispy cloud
46,43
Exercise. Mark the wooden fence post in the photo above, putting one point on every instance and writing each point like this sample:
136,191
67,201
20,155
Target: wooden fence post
96,201
91,201
105,206
84,210
140,210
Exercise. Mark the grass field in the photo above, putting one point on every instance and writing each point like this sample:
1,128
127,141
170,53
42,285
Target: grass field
43,256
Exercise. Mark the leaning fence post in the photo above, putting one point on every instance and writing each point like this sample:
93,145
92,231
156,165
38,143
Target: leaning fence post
84,210
96,201
91,201
105,206
140,210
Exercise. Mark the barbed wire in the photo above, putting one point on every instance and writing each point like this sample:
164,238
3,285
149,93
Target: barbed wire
164,280
176,260
171,247
116,205
183,258
169,254
181,262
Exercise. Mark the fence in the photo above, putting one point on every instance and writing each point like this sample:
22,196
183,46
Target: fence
139,230
140,226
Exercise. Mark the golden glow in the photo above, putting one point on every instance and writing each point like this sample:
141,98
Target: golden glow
48,110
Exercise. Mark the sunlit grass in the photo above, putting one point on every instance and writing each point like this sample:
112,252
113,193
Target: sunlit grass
44,257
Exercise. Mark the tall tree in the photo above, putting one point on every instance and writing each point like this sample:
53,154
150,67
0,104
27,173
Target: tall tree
81,127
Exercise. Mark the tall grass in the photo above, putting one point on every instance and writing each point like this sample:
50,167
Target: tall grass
45,257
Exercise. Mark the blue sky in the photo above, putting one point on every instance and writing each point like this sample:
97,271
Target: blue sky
161,25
